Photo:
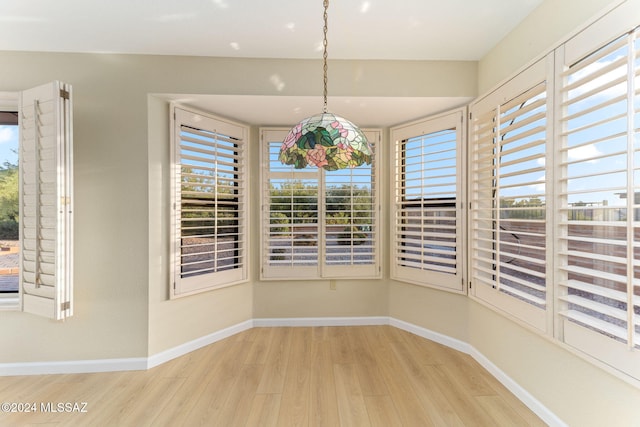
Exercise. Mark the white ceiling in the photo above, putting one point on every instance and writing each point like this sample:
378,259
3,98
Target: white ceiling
358,29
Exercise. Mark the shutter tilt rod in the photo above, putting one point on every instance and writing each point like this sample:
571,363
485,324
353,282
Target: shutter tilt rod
36,141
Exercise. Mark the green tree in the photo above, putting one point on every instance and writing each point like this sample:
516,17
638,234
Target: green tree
532,208
9,202
349,204
209,201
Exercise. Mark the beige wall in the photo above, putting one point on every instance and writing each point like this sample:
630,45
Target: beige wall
111,310
121,186
551,23
438,311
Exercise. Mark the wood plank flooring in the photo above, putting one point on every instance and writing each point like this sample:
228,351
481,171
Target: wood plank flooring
304,376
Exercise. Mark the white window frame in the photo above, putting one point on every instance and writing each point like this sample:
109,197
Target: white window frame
220,132
46,200
451,276
321,269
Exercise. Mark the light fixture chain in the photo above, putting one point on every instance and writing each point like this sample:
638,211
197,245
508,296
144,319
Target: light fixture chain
325,140
325,55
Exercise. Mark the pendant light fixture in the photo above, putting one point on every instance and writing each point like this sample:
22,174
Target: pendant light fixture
325,140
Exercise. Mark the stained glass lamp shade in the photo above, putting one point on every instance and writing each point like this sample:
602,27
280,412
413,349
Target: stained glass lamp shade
325,140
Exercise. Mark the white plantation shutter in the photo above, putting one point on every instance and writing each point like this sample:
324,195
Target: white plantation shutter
350,225
427,204
290,220
46,183
317,223
508,197
599,203
209,202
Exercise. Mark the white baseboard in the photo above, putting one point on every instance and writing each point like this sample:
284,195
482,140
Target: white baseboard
188,347
432,335
142,363
125,364
322,321
73,366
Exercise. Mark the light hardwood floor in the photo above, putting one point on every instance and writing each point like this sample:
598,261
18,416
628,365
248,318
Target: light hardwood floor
304,376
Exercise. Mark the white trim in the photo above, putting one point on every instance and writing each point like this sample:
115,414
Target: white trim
73,366
432,335
10,302
142,363
185,348
124,364
322,321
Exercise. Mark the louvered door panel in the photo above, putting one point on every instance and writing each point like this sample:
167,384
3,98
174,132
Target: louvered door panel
45,205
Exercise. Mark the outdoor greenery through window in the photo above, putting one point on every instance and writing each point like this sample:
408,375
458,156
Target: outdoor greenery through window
317,223
9,203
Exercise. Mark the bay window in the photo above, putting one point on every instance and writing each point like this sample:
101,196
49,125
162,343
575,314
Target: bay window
316,223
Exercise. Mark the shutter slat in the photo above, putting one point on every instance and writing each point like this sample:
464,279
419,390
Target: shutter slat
595,290
530,298
596,323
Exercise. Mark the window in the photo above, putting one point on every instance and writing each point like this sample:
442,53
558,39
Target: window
427,202
9,203
508,197
598,170
46,202
209,215
317,223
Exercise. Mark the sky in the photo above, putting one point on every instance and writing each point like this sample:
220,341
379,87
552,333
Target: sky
8,144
